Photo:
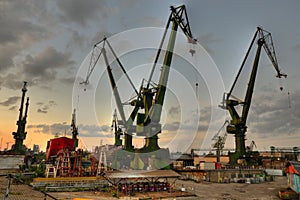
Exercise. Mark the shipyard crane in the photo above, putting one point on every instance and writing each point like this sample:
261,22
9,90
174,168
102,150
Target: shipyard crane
74,130
20,135
238,121
251,146
117,129
151,96
219,141
100,49
149,99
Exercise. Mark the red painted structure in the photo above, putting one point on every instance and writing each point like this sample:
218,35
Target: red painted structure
57,144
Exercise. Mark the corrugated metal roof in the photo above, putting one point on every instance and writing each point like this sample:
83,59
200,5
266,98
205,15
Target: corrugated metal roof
142,174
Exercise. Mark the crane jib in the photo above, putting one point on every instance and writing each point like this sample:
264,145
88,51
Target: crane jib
237,125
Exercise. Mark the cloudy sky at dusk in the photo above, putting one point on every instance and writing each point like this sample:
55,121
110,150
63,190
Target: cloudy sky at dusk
47,44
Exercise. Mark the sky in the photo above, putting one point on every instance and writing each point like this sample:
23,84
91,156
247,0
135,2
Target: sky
49,43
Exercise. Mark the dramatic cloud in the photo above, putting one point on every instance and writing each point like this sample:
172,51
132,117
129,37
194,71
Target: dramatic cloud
95,131
10,101
13,108
8,52
80,12
62,128
44,66
55,129
19,31
44,107
271,115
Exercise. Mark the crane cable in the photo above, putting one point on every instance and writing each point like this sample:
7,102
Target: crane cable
288,92
194,55
159,50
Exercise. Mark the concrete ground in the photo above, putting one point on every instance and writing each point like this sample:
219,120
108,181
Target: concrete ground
236,191
194,191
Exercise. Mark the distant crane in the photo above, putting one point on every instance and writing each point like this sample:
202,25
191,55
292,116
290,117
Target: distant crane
237,125
74,129
1,143
7,145
117,130
20,135
251,146
219,141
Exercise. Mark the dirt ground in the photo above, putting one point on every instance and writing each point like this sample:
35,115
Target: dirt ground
205,190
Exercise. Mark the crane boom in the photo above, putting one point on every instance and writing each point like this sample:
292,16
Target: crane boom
148,122
237,125
114,88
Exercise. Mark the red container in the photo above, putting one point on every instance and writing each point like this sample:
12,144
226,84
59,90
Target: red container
218,165
56,144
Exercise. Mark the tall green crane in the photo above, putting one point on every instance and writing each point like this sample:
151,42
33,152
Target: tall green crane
20,135
238,121
151,99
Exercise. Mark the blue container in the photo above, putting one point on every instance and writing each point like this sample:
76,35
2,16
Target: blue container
296,186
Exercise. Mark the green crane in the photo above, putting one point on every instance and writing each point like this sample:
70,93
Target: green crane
117,130
150,96
101,50
151,99
238,121
219,141
74,128
20,135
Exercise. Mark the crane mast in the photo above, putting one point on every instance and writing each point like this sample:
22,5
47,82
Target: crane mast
74,130
148,123
237,124
20,135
